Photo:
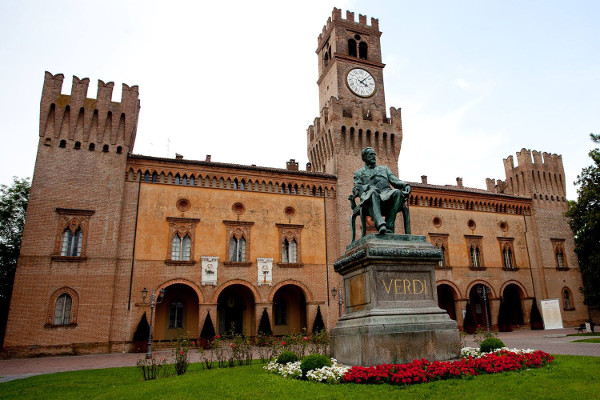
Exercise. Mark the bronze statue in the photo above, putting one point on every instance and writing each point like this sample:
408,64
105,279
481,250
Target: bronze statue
377,199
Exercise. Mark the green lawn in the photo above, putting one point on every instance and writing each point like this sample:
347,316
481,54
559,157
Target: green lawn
592,340
569,377
585,334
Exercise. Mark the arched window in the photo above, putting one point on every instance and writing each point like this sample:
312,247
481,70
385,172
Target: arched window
507,258
154,177
242,185
177,180
475,257
326,59
362,50
184,180
62,310
235,184
352,47
289,251
176,315
192,182
147,176
567,299
237,249
181,248
71,243
560,258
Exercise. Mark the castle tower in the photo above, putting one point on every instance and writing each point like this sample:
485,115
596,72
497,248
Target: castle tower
73,233
352,109
541,177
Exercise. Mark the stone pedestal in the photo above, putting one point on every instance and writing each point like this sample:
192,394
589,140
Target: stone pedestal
391,313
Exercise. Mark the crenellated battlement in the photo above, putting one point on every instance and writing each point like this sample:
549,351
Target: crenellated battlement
336,18
537,175
79,118
348,127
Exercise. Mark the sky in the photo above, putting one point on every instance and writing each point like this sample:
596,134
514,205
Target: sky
477,81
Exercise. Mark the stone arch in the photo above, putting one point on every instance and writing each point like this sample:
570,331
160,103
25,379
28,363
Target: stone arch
476,282
257,298
513,282
306,290
183,282
453,286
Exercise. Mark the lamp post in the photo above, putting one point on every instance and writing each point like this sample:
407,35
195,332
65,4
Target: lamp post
334,294
483,292
153,302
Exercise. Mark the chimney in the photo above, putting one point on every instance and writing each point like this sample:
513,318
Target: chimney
308,167
178,156
424,179
207,158
459,182
292,165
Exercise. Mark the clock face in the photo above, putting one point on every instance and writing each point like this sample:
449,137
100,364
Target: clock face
361,82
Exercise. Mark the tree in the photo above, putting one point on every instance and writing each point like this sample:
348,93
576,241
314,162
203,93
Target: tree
13,207
584,217
264,327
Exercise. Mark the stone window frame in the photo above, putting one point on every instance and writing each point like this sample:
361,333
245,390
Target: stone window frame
237,230
507,244
475,242
440,240
72,219
558,249
570,296
290,232
52,306
182,227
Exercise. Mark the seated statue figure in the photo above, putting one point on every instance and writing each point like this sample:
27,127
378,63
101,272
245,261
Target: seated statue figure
380,201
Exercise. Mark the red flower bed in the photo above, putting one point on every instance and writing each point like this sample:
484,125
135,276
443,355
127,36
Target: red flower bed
425,371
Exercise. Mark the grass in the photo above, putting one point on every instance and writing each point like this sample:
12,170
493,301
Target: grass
575,377
593,340
585,334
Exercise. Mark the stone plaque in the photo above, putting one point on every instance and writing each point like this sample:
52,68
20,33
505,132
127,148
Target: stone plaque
403,286
265,271
551,314
356,286
210,266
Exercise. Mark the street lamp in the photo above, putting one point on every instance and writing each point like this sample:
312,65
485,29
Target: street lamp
483,292
153,302
334,294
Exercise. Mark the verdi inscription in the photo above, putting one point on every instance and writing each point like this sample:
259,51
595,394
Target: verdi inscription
406,286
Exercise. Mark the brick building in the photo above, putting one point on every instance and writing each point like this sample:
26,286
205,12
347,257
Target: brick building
233,240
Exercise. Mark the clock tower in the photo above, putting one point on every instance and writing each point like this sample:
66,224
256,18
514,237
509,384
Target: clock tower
352,110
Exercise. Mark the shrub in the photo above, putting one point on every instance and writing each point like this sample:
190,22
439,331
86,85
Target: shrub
314,361
491,344
286,357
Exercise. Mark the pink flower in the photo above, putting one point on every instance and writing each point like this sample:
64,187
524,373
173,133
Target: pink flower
283,343
305,338
182,352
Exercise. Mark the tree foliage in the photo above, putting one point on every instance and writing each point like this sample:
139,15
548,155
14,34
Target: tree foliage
13,207
585,222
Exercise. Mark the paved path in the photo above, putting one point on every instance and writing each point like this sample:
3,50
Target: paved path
553,342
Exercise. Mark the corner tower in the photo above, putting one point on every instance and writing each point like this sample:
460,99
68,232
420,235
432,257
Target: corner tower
73,234
352,108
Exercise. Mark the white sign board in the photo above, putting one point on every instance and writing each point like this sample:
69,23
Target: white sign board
210,267
551,314
265,271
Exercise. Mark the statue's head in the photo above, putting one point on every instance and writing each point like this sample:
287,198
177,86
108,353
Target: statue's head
368,155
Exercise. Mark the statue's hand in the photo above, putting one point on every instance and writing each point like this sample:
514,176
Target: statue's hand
406,190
